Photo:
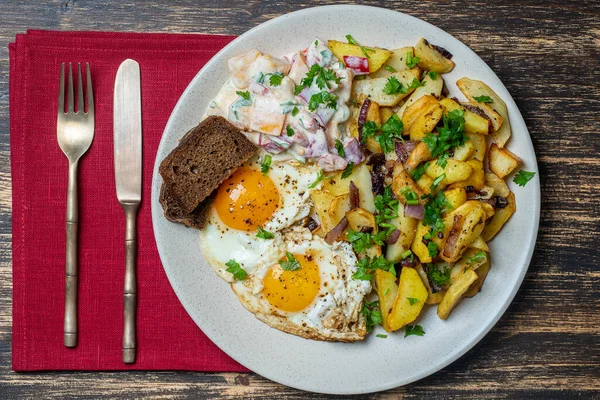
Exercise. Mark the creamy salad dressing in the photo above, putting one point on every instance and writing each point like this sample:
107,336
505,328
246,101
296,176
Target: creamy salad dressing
270,100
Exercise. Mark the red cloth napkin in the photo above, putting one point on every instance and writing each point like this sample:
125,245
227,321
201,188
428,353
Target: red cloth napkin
167,338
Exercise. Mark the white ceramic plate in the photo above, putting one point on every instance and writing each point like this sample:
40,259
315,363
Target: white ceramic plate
376,364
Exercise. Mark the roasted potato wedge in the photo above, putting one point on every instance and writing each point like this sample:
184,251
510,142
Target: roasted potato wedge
421,117
431,59
496,110
455,292
403,312
482,273
361,177
374,88
397,61
474,123
322,201
479,146
432,87
462,153
432,298
360,218
401,179
477,177
498,184
480,244
472,259
338,208
456,197
425,183
377,56
455,171
418,247
407,227
499,219
502,161
419,154
387,290
385,113
468,222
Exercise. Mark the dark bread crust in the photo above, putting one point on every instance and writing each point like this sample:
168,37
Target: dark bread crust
174,213
205,157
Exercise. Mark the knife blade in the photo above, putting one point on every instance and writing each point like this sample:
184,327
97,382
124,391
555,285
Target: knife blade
127,126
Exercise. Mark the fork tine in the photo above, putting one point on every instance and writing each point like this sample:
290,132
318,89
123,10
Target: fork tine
71,100
90,91
61,90
80,104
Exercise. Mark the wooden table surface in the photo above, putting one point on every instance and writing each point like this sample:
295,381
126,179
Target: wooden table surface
547,53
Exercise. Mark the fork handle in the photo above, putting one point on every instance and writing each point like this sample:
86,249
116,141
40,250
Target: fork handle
70,323
130,289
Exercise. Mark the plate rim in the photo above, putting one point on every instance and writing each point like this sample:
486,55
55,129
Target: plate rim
452,357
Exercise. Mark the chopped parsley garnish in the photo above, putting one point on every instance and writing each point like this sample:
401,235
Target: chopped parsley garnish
295,111
316,42
237,271
348,170
392,86
381,335
434,208
262,234
439,277
413,330
483,99
361,241
324,97
244,95
320,75
386,206
390,68
275,78
437,181
432,75
320,177
266,164
261,78
412,300
406,254
432,248
476,258
290,264
367,265
385,134
418,172
386,291
351,40
340,148
449,136
366,51
410,196
411,61
522,177
370,310
289,131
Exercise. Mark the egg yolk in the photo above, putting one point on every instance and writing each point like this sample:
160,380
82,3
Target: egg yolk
293,290
246,200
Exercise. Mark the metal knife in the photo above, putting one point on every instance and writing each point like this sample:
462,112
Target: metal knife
128,176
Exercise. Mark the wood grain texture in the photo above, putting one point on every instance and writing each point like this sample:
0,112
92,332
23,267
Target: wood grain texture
547,53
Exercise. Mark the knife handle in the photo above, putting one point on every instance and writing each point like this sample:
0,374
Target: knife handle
130,289
70,321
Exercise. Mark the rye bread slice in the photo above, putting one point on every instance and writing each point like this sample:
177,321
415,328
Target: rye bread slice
205,157
174,212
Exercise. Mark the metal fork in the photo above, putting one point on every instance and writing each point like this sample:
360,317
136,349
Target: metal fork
75,131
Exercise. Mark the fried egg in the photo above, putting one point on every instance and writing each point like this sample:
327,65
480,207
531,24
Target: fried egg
249,200
319,299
